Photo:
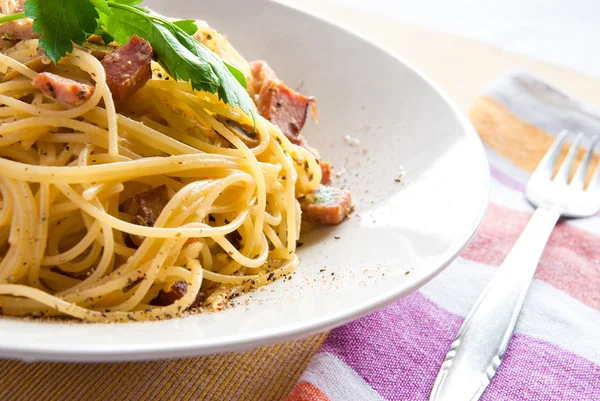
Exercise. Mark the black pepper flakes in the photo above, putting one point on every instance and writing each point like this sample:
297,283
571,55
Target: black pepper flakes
51,90
131,283
81,94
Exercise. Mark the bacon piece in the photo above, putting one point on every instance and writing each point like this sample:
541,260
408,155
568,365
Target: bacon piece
128,67
146,207
285,108
166,298
288,110
14,31
325,172
178,291
278,103
65,90
326,205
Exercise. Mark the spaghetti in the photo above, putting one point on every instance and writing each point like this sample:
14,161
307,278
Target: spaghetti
69,177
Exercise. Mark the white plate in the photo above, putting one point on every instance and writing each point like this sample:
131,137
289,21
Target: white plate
400,237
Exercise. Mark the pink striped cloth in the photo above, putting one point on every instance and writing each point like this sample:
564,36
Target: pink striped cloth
395,354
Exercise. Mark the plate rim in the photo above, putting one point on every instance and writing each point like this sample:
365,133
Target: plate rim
237,343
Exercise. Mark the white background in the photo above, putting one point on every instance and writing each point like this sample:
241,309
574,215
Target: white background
565,33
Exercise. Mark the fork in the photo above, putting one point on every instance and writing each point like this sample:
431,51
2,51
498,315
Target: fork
477,351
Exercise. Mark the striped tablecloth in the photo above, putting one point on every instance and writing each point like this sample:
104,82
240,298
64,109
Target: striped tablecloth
394,354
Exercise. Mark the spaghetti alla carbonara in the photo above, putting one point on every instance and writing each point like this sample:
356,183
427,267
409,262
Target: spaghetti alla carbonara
128,196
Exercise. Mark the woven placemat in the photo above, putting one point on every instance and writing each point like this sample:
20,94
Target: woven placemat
264,374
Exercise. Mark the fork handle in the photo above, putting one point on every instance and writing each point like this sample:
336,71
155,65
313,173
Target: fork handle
476,353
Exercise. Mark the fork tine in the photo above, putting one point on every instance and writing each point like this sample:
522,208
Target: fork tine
546,166
579,178
595,182
565,168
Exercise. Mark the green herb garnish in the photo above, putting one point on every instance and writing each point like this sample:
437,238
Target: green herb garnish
64,22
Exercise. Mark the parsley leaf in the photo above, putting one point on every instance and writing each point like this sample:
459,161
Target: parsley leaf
241,78
230,89
64,22
122,24
101,5
182,62
102,33
188,25
175,58
61,22
181,55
